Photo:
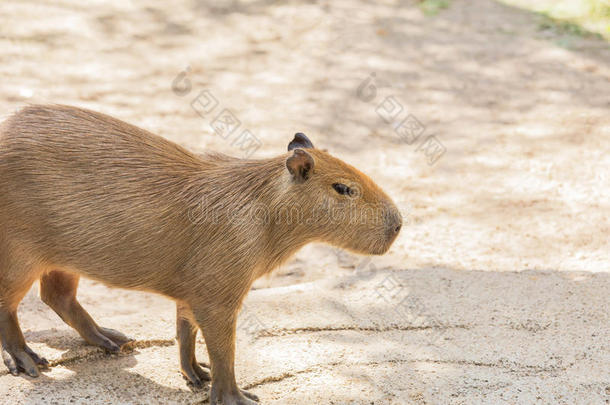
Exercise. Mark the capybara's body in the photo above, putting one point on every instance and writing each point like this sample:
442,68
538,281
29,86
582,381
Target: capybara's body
108,200
82,193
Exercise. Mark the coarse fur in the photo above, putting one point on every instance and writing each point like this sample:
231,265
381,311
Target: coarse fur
85,194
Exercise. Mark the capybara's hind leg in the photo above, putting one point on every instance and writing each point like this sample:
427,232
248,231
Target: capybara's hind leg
17,356
186,334
58,290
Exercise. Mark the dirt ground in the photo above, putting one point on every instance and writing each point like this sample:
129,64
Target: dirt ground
491,134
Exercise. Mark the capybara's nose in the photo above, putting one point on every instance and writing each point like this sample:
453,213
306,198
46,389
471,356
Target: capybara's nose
393,223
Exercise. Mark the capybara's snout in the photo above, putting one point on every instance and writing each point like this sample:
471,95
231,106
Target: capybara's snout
392,223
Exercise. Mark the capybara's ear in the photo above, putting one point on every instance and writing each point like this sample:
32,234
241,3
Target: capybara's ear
300,165
300,141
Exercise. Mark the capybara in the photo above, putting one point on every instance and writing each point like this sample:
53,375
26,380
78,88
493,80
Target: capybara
85,194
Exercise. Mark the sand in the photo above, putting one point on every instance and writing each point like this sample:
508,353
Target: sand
490,134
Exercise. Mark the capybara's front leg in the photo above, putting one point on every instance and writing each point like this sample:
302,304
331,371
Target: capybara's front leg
218,327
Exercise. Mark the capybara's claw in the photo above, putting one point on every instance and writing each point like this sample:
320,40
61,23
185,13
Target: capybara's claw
10,363
107,344
203,374
250,395
117,337
20,360
40,361
240,397
193,381
196,376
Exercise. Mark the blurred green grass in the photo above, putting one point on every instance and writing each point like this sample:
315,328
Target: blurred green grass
572,17
432,7
583,18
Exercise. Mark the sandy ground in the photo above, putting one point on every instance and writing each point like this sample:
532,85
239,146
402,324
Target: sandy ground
496,290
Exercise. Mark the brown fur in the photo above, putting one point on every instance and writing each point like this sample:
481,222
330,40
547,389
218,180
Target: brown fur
82,193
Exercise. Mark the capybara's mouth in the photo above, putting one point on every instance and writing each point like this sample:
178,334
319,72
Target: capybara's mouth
381,250
388,244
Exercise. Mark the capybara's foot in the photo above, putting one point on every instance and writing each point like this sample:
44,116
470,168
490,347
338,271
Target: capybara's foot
23,360
108,339
250,395
240,397
196,375
117,337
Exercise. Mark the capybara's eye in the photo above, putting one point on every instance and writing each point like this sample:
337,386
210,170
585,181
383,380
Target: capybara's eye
341,189
353,192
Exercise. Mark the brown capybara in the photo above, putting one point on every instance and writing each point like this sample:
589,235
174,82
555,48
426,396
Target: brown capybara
85,194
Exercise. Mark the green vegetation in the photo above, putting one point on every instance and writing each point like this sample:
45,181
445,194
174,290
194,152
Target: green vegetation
570,17
432,7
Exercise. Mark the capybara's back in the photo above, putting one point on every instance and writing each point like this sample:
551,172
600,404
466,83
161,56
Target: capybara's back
83,190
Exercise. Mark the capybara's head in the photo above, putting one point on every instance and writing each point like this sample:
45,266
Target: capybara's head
339,204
